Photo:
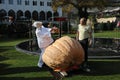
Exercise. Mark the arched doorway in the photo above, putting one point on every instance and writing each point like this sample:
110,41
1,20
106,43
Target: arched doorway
35,15
56,14
42,15
27,14
49,14
19,14
11,13
3,13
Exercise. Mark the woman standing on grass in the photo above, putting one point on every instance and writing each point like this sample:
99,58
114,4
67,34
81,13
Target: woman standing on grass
83,34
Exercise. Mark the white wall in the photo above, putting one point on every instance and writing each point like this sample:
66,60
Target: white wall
29,7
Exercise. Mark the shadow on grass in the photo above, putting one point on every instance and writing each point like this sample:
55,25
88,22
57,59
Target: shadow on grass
105,67
99,68
4,70
7,71
5,48
22,78
2,65
2,58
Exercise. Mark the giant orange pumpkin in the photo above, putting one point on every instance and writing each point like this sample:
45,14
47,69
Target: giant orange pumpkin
65,52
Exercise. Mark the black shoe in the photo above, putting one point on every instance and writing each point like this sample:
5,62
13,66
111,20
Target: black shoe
57,75
86,69
63,73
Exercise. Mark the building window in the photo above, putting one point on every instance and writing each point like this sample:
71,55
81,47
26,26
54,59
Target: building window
49,3
34,3
41,3
19,2
10,1
26,2
2,1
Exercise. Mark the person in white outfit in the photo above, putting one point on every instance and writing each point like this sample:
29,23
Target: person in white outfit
44,39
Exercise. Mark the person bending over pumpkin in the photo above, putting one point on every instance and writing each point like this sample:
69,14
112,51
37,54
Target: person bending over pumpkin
83,34
44,39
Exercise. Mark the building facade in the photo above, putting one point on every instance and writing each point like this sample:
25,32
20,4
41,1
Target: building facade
30,9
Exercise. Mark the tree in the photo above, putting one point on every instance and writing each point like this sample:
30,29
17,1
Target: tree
80,5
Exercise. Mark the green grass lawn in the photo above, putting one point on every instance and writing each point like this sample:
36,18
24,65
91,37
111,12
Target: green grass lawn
104,34
16,65
108,34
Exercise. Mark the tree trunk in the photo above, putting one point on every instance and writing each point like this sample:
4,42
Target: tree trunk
83,13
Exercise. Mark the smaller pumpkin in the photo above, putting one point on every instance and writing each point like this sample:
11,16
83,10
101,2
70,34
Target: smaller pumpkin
65,52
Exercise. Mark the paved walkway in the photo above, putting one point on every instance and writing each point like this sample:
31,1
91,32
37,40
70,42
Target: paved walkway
102,53
94,53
